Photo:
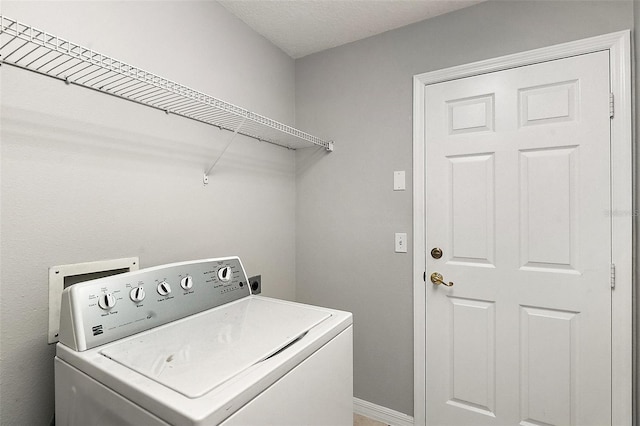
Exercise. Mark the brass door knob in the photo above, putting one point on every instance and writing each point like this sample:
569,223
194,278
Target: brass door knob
437,278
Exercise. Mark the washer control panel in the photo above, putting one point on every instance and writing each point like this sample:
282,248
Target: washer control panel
100,311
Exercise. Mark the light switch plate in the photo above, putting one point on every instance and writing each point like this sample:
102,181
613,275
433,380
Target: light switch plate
399,181
401,242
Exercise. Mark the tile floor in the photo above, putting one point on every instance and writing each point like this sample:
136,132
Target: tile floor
359,420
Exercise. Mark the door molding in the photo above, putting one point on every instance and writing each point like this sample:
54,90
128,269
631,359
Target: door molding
619,46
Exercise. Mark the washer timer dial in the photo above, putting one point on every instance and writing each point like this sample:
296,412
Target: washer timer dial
164,288
107,301
224,273
186,283
137,294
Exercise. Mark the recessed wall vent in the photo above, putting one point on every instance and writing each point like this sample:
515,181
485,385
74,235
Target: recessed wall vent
63,276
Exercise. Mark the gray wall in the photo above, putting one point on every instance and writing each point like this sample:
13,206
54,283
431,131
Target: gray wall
347,212
86,177
636,39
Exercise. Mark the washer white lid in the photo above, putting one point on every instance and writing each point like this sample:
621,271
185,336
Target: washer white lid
195,355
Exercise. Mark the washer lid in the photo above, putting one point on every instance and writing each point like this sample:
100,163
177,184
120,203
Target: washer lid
195,355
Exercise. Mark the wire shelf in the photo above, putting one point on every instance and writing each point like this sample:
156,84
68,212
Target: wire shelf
31,49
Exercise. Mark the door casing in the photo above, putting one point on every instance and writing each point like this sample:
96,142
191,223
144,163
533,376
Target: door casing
622,205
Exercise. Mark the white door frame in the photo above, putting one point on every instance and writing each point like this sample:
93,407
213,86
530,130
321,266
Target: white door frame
619,46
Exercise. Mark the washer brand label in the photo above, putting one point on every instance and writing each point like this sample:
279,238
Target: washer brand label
97,330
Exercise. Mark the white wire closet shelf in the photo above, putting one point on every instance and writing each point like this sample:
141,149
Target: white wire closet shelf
31,49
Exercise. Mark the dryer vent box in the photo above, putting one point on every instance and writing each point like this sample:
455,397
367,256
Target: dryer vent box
63,276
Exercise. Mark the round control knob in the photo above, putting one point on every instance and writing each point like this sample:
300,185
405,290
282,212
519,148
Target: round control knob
186,283
164,288
107,301
224,273
137,294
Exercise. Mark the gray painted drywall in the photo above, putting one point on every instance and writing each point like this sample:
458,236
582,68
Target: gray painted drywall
360,95
86,176
636,36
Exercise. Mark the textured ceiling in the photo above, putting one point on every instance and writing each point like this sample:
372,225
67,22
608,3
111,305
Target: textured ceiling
302,27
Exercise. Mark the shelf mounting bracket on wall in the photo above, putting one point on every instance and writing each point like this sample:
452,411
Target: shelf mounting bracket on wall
28,48
205,179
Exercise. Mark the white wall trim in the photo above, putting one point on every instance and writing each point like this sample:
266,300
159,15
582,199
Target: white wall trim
381,414
619,46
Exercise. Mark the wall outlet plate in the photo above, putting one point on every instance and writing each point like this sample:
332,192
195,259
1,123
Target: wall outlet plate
62,276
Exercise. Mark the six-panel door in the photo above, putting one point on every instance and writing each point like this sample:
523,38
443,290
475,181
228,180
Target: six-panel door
518,199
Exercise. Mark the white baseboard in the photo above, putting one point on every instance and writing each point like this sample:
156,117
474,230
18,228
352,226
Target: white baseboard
381,414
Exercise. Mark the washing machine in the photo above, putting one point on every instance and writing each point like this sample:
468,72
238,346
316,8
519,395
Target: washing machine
188,344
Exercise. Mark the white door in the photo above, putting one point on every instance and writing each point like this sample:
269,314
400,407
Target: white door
517,195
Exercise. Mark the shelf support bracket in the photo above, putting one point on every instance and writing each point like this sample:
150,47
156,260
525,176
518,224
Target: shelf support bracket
205,178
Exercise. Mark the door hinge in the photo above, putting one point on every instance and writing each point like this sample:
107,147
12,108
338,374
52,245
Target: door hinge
611,105
613,276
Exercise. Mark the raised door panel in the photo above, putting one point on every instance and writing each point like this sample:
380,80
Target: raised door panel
472,356
473,114
549,209
549,366
472,209
549,103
